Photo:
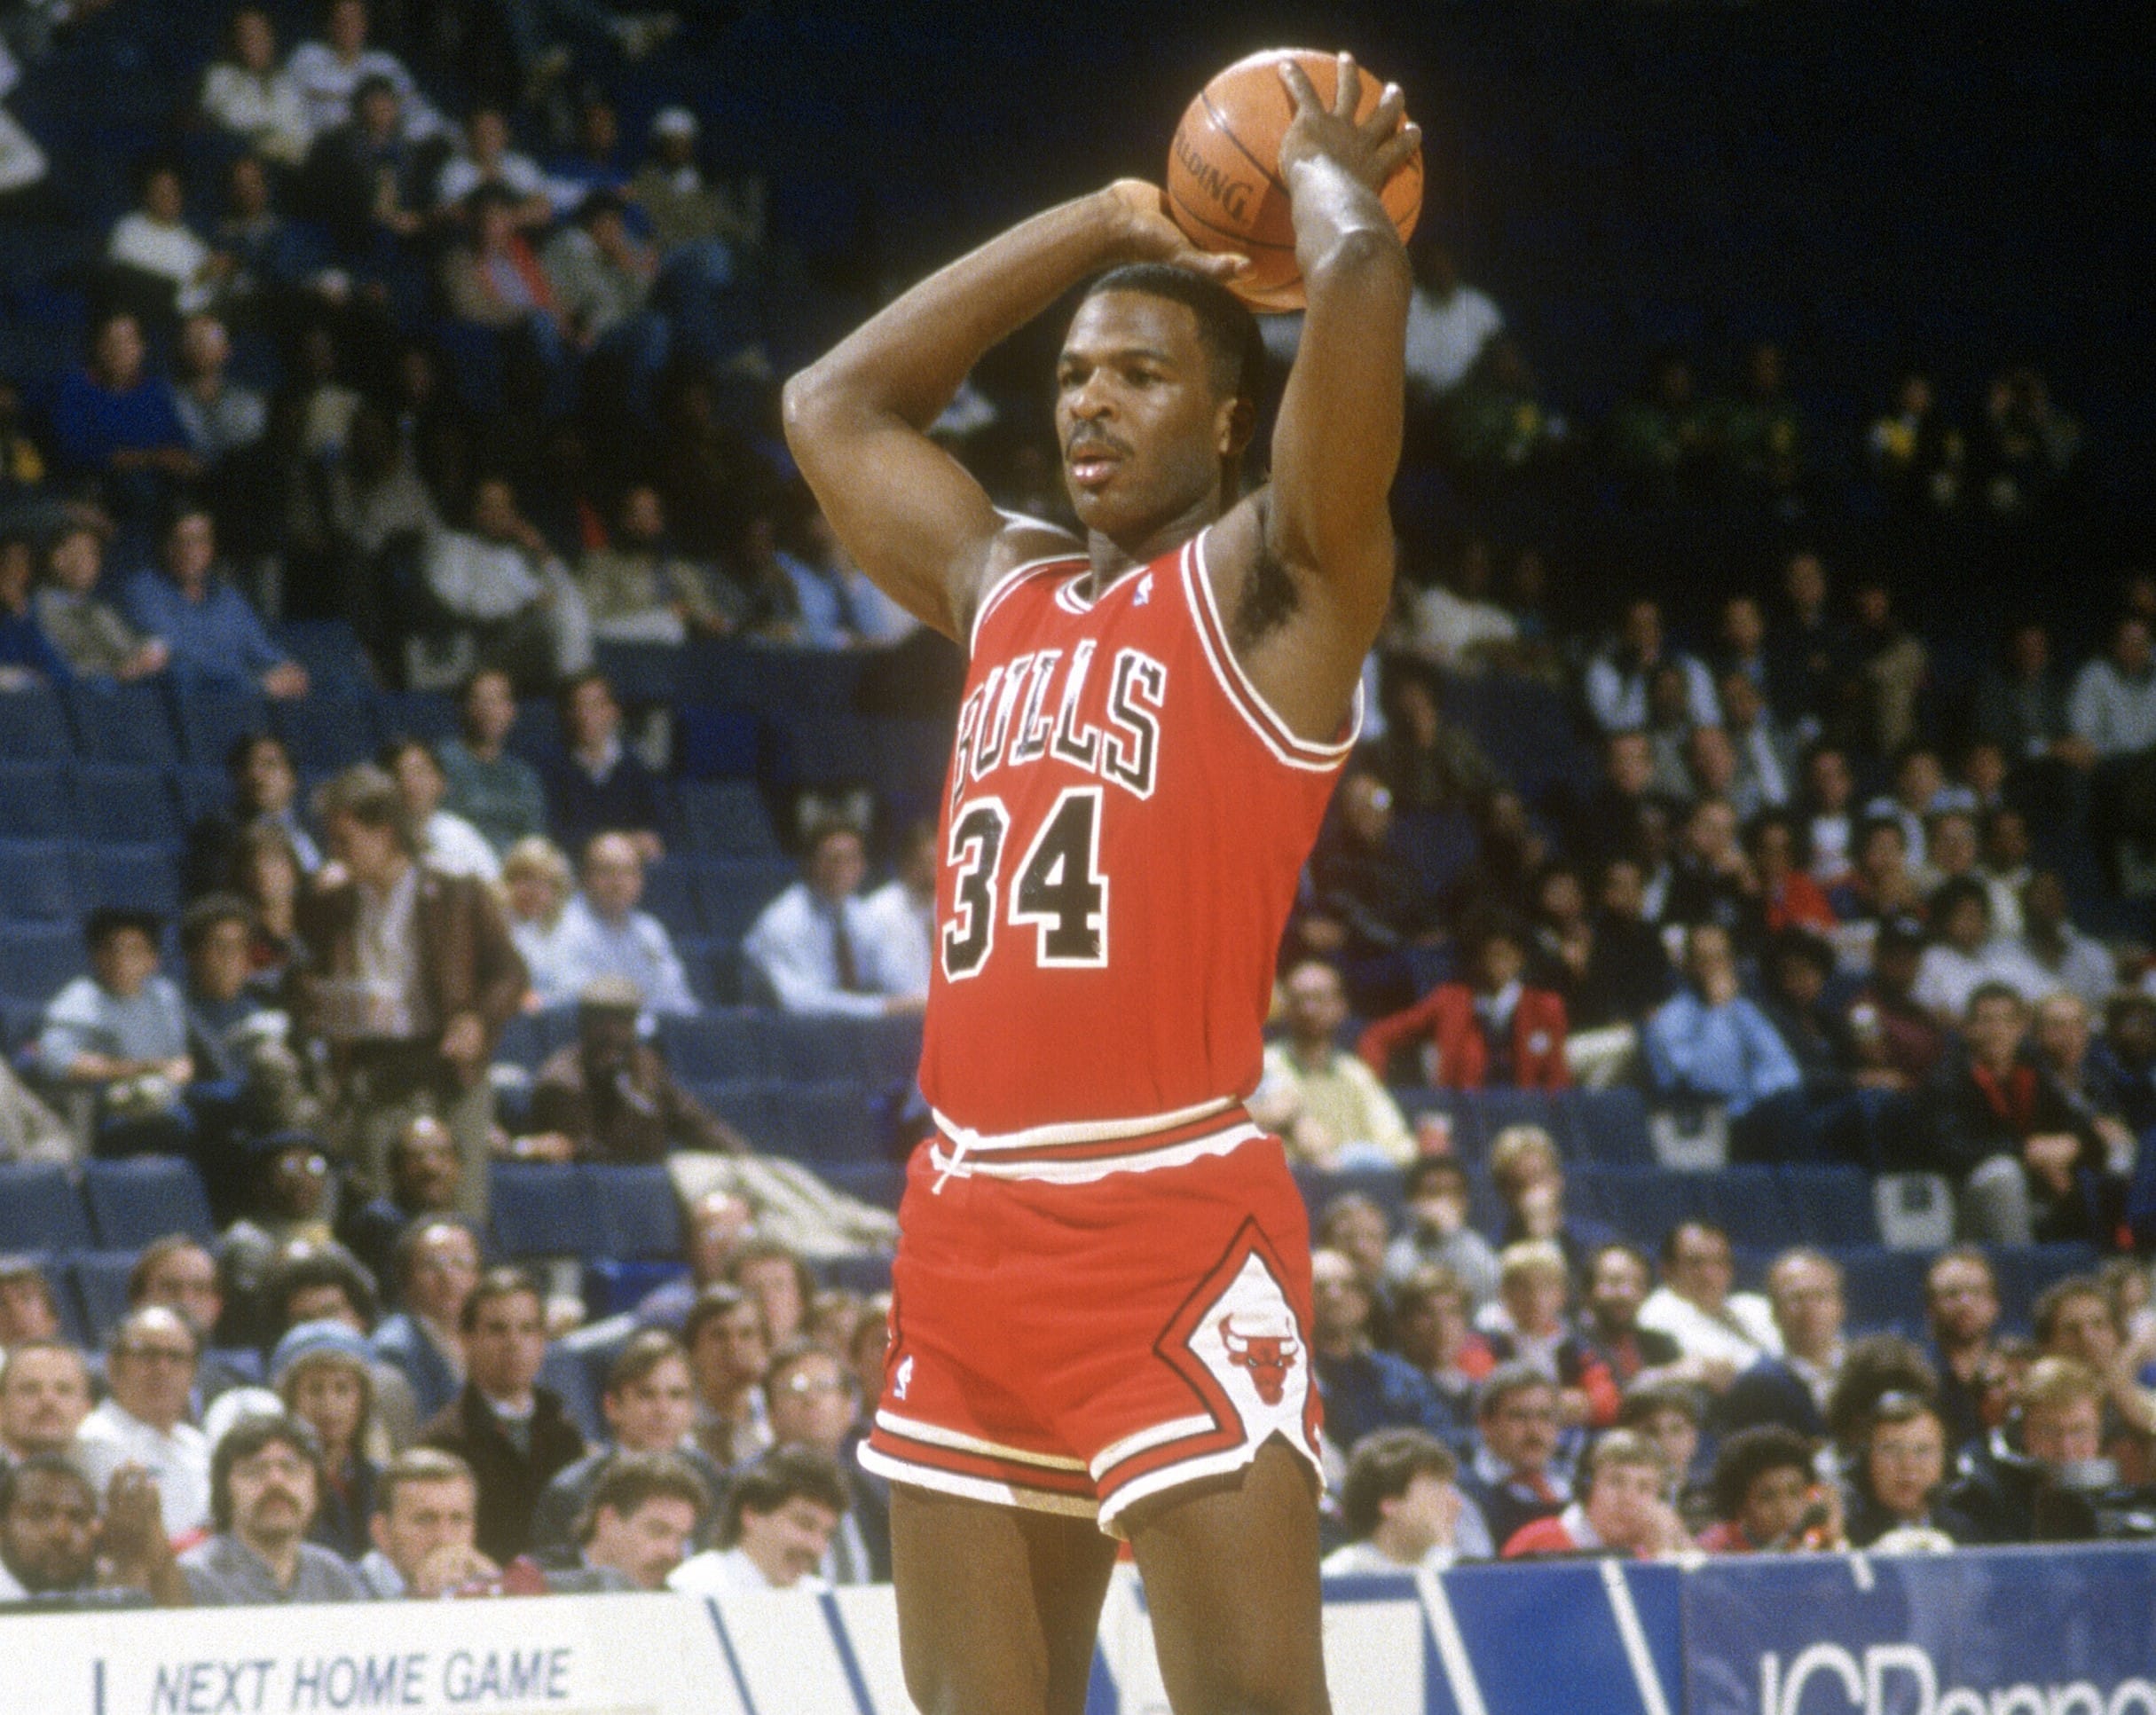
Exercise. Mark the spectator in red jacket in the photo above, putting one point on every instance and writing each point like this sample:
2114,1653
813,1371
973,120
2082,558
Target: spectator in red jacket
1490,1031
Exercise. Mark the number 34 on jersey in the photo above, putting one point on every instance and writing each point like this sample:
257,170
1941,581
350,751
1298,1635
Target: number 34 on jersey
1053,894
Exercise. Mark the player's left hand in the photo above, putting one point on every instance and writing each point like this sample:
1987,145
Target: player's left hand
1373,151
1149,235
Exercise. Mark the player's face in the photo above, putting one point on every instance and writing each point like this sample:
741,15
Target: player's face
1142,427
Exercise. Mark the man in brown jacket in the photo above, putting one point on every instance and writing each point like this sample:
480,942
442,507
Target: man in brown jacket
408,975
608,1096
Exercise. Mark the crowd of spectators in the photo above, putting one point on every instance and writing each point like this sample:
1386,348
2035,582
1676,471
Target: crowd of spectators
495,408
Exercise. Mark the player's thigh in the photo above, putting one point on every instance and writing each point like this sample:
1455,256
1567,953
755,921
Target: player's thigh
1230,1571
998,1606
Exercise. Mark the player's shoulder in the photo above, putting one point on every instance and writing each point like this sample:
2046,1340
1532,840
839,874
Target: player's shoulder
1023,547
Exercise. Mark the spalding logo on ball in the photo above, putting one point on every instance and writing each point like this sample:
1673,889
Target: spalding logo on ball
1224,184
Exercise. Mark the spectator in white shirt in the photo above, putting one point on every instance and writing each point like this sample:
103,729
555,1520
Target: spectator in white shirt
1455,623
150,1367
447,842
248,95
537,884
22,164
2112,706
1726,1332
777,1525
1617,678
603,934
330,71
1399,1505
488,160
899,919
2053,953
154,240
1966,955
521,605
809,942
1448,325
221,416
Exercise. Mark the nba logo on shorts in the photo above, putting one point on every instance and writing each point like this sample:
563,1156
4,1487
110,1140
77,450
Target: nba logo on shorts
903,1380
1264,1343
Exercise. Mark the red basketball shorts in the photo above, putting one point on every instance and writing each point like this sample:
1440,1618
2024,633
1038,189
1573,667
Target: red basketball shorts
1074,1347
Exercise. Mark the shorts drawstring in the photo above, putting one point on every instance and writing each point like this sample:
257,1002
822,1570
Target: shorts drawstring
954,1165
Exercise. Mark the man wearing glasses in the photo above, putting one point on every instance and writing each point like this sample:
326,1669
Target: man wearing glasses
149,1366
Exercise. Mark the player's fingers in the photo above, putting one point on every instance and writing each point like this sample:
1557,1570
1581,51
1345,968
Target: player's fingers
1299,86
1385,117
1396,153
1222,265
1346,88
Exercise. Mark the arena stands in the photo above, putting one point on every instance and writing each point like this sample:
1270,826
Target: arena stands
1767,684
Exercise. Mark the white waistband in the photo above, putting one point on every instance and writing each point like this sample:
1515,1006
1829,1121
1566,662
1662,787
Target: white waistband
1081,1131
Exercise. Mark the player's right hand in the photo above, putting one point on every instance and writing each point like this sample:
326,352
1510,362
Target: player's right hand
1149,235
1372,150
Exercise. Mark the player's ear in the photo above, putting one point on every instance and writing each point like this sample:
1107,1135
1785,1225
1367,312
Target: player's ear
1233,425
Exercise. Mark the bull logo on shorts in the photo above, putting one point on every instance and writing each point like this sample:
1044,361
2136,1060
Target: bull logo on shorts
1264,1343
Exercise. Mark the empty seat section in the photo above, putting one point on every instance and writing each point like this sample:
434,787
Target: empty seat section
144,1198
36,882
121,723
728,819
41,1209
542,1209
122,805
142,877
36,799
639,1215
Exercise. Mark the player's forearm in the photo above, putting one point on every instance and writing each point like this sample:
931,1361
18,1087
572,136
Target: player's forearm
1345,243
908,361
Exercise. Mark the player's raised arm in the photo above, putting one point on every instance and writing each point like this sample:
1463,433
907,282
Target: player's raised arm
857,420
1337,441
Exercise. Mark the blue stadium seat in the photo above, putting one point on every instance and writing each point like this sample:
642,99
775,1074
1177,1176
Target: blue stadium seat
1832,1205
735,890
1884,1289
537,736
878,1183
642,672
1499,1110
612,1287
1642,1203
36,882
123,805
1608,1126
825,1122
422,714
41,1209
813,1048
865,1272
2025,1271
542,1209
734,1044
728,819
34,726
201,793
327,730
36,800
100,1282
519,1043
1751,1204
37,960
215,715
718,744
329,649
120,723
145,877
639,1214
144,1198
670,895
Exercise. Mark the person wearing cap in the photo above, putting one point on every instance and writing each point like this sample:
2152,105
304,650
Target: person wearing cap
1895,1041
322,1372
608,1096
683,206
121,1034
603,934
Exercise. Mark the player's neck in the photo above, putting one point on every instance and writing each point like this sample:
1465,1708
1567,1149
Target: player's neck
1142,544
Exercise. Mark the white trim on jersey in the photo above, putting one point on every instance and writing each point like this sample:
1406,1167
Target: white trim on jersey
1277,736
1010,580
972,1487
959,1442
1079,1132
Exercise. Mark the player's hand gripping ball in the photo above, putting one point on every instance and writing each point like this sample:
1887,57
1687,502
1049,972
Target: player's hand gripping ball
1227,169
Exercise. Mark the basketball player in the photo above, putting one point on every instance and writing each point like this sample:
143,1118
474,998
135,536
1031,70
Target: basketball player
1100,1325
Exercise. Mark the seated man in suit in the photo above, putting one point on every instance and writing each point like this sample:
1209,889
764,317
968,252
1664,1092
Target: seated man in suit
1804,1288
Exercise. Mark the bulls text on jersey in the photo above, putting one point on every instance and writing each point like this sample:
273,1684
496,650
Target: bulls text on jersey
1048,703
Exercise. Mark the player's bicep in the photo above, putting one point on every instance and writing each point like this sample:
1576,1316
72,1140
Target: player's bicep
912,517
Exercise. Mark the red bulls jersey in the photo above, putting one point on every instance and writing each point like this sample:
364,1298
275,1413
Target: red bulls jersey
1124,826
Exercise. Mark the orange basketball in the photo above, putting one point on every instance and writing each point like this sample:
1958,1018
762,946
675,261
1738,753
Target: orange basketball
1223,170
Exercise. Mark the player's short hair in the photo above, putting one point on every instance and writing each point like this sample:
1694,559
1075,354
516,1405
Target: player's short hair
417,1466
628,1481
1225,321
1622,1447
1381,1468
1749,1455
784,1474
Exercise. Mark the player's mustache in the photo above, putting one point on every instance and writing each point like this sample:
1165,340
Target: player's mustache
1093,440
